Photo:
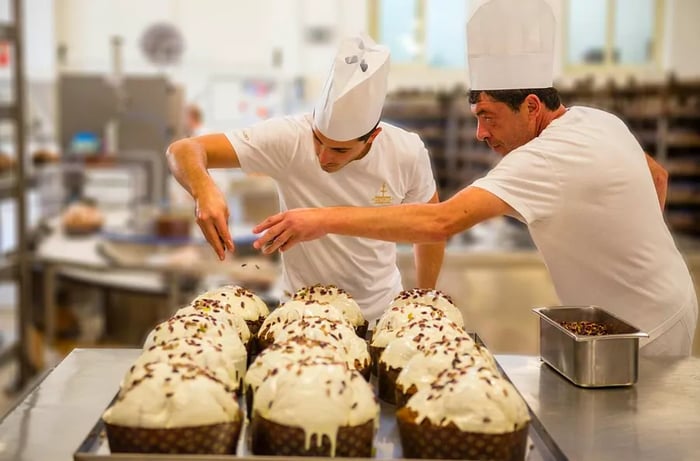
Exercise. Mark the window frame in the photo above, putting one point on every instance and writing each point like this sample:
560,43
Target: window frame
608,65
420,63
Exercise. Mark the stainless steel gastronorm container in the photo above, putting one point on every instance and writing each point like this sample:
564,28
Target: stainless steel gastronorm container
589,361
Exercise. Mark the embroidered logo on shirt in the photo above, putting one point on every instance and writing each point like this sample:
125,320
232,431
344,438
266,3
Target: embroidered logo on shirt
382,197
245,135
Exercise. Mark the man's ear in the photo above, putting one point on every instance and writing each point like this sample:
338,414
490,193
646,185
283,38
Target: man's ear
374,134
533,105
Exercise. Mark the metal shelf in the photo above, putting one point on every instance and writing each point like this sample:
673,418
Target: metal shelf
18,182
8,350
8,183
8,111
8,268
8,32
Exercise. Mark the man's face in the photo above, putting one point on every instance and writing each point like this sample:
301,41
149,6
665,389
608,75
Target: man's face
334,155
191,120
501,128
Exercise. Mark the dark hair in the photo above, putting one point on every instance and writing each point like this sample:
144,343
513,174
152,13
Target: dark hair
195,112
515,98
366,136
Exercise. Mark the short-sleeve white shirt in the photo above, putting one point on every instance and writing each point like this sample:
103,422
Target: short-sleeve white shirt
396,170
584,189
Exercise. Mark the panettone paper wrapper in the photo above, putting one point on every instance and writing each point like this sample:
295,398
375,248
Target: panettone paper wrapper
361,330
366,372
402,396
428,441
214,439
250,350
273,439
262,342
254,346
386,383
254,326
249,395
374,354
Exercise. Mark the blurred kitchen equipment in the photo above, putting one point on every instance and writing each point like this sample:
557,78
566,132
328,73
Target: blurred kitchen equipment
173,224
602,360
82,218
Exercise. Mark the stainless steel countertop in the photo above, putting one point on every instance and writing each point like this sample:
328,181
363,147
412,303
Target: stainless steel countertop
52,421
657,419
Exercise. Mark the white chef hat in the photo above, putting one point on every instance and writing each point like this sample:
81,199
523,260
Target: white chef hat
511,44
352,98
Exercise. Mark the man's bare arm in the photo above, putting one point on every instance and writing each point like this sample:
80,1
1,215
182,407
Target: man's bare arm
660,177
189,160
428,259
414,223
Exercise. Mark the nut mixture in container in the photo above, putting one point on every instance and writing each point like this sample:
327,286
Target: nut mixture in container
586,328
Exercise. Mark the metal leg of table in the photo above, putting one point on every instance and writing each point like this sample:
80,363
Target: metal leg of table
49,307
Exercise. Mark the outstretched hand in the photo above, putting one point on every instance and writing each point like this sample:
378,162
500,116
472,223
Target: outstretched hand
212,216
286,229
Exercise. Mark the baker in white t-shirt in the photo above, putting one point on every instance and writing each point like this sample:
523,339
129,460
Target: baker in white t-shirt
591,198
339,155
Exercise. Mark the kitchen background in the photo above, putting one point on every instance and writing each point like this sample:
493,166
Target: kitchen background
105,87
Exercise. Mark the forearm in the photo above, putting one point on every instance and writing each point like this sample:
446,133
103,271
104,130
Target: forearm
428,259
418,223
660,177
187,160
415,223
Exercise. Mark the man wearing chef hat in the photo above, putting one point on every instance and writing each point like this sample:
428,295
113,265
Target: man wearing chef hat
339,155
577,177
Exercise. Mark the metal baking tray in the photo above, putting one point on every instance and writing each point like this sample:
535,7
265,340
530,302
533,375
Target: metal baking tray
541,447
589,361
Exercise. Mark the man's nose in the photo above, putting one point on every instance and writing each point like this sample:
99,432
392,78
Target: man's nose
481,132
324,155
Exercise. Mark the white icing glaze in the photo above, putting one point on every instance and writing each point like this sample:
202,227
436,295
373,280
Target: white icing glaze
195,326
220,312
474,399
400,350
278,356
434,328
296,310
432,298
326,330
423,367
240,300
398,316
319,398
223,359
172,396
337,297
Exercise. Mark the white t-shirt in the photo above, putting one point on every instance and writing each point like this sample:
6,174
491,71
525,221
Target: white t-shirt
396,170
584,189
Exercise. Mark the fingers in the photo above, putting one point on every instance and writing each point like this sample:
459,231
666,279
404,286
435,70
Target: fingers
213,238
289,244
266,240
269,222
221,225
272,240
216,233
281,242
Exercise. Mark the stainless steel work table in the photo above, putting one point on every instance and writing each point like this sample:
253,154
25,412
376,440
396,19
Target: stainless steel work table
659,418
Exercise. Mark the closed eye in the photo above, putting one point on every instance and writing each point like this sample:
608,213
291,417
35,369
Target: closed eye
338,150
